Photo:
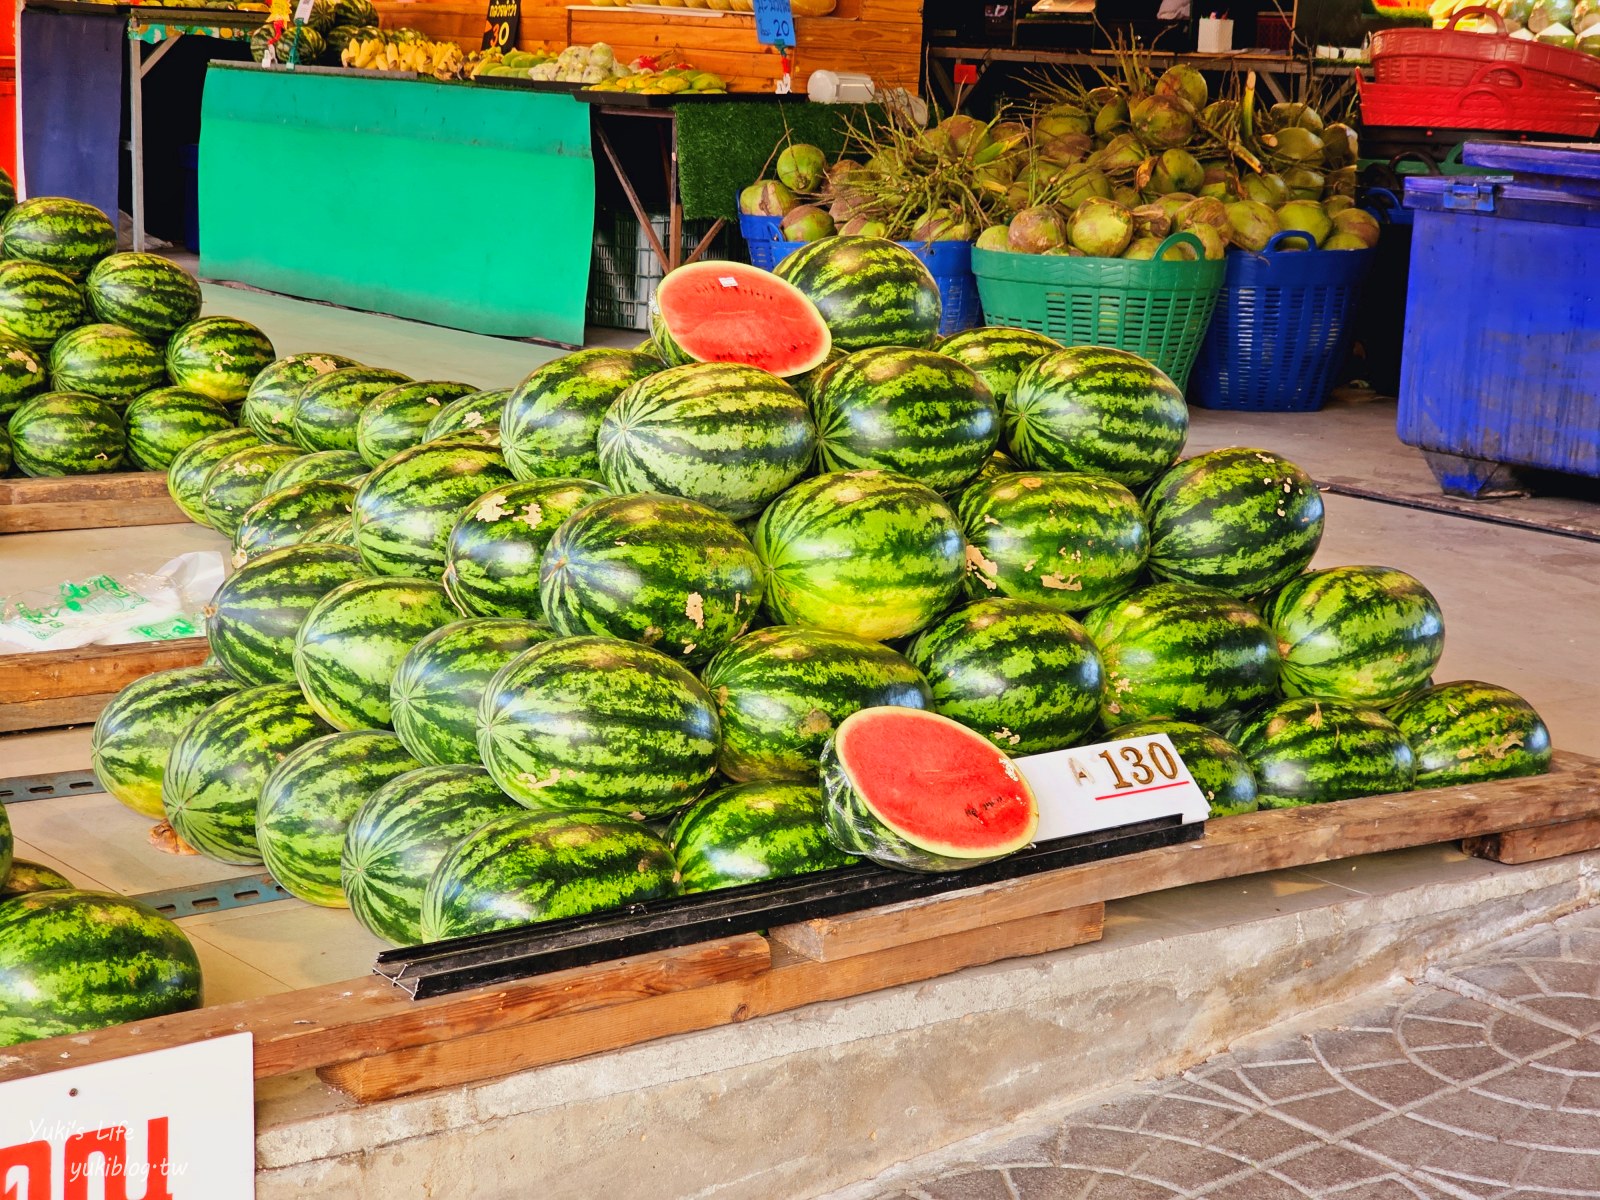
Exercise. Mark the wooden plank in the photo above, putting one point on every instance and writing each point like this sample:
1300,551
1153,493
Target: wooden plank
1537,843
788,985
91,670
52,714
87,502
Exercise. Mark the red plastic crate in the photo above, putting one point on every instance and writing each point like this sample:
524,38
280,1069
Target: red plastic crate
1452,57
1499,97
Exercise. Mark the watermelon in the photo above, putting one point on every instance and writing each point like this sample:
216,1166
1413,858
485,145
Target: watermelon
725,312
8,192
913,411
530,867
955,802
1222,773
1025,675
997,355
406,508
729,436
323,16
221,760
864,552
38,304
1471,732
72,961
351,641
782,690
66,433
398,419
1309,751
107,361
1242,520
1072,541
436,689
1369,635
237,482
319,466
69,235
492,558
186,474
5,450
397,837
1096,409
807,383
7,844
309,800
590,722
26,877
355,12
477,413
282,518
136,731
23,374
253,618
269,404
148,294
165,421
752,832
660,570
552,416
220,356
329,406
870,291
1182,652
338,530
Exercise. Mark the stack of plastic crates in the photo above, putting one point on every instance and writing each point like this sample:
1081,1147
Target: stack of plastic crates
624,269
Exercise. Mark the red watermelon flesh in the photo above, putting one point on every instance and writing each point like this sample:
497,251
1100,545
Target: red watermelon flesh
732,312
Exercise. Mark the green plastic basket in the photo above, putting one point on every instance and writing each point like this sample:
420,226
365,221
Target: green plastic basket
1155,308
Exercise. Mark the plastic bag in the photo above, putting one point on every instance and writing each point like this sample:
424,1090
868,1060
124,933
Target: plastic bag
167,603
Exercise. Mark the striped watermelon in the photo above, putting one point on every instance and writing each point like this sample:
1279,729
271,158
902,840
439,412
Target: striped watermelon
220,356
26,877
782,690
5,450
997,464
253,618
282,518
148,294
552,416
492,558
723,312
998,355
136,731
319,466
1024,675
72,961
530,867
1242,520
221,760
397,837
436,689
307,804
66,234
1308,751
237,482
1369,635
163,422
726,435
350,643
186,474
23,374
38,304
66,433
870,291
269,404
1096,409
337,530
406,508
752,832
588,722
1470,732
1223,774
8,192
1072,541
477,413
107,361
864,552
328,408
7,845
1182,652
398,419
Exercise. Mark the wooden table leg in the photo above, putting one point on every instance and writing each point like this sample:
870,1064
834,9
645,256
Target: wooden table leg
633,196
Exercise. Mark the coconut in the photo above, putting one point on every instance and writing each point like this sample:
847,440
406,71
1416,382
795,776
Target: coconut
996,237
1177,171
1251,224
939,225
1558,35
1220,114
1151,220
1037,229
1009,134
1357,222
1340,146
1172,203
1121,153
1185,81
1304,183
1293,146
1112,117
847,203
1142,247
802,168
1066,149
1062,119
1205,210
1083,183
886,162
1064,252
766,198
1341,182
1292,114
1345,241
807,223
1221,181
1128,197
1101,228
864,227
1162,121
1305,215
968,135
995,176
1215,244
1267,189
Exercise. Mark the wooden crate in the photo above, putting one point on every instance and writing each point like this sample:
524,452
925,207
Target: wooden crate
87,502
69,687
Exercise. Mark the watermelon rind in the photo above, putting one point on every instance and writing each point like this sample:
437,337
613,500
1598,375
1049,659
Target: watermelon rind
268,406
59,232
66,433
725,312
476,413
147,293
998,355
187,472
108,361
1220,771
24,373
238,481
166,421
870,291
552,417
750,833
38,304
283,517
326,466
1472,732
1313,751
405,509
26,876
398,419
328,410
219,356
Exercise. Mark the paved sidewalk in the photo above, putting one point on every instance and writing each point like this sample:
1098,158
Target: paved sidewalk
1481,1082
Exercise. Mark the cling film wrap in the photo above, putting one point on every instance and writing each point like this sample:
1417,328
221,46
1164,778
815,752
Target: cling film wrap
106,609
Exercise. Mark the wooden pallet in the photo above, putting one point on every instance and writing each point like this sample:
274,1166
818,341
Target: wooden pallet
371,1041
87,502
70,687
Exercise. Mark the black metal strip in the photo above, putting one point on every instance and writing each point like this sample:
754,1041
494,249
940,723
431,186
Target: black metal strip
485,959
222,894
48,787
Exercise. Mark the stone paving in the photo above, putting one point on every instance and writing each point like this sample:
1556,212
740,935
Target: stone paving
1480,1082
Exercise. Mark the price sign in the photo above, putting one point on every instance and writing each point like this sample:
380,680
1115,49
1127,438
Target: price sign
502,25
774,23
302,13
173,1124
1089,788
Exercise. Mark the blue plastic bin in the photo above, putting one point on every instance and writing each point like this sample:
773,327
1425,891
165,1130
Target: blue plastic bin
1281,328
951,264
1502,359
766,245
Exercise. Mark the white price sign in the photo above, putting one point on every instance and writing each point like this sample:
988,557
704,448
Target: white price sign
1089,788
302,12
174,1124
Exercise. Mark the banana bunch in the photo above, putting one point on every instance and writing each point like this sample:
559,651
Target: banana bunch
442,60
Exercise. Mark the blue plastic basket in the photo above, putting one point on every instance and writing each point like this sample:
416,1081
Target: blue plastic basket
951,265
766,245
1281,328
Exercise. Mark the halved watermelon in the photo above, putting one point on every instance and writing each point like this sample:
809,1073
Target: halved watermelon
956,802
732,312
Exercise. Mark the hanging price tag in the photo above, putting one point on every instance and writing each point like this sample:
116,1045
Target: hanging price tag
774,23
1089,788
302,14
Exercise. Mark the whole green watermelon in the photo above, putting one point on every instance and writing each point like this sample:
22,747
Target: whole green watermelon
750,833
268,406
998,355
187,472
23,374
329,407
319,466
108,361
148,294
219,356
26,877
1309,751
58,232
870,291
1221,771
252,620
135,733
1471,732
398,419
406,508
38,303
476,413
166,421
553,416
236,482
283,518
492,558
67,433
